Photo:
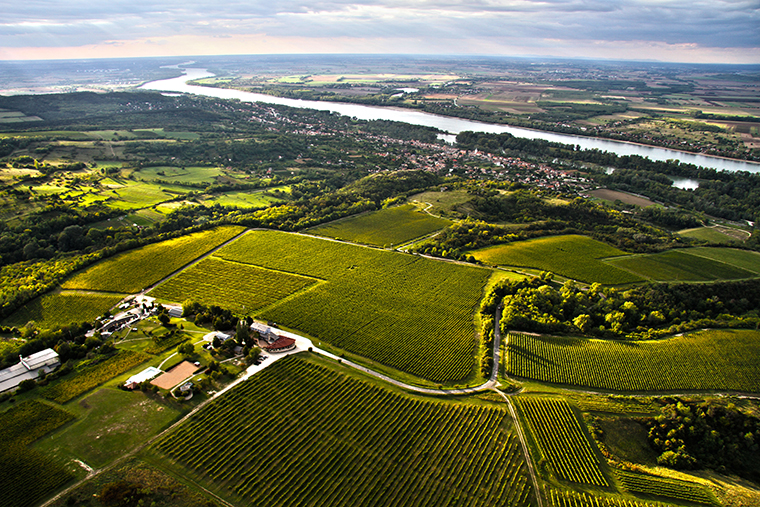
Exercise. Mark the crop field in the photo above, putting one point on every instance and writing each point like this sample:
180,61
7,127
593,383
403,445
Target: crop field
680,265
389,227
555,498
62,308
87,378
246,287
562,440
706,360
576,257
302,434
27,476
743,259
131,271
405,311
665,487
160,343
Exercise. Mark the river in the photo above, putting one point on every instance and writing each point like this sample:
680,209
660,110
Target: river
446,123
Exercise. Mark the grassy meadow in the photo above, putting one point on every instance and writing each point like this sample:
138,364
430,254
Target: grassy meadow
386,228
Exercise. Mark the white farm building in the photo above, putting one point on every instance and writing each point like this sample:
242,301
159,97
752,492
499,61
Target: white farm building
29,368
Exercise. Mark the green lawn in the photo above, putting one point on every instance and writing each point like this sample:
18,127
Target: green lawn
388,227
110,422
577,257
179,174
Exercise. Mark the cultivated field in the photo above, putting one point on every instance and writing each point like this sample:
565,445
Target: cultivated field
389,227
62,308
131,271
407,312
28,476
613,195
562,441
89,377
302,434
665,487
555,498
572,256
706,360
246,288
684,265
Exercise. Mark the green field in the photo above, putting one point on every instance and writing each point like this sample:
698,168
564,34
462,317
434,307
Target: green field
246,288
128,195
442,203
110,423
742,259
556,498
62,308
683,265
179,174
244,199
131,271
665,487
576,257
28,476
405,311
389,227
562,441
707,360
82,380
713,234
301,434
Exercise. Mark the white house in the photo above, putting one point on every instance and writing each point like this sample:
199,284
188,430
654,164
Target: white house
29,368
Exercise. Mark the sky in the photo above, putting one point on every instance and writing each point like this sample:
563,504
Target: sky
698,31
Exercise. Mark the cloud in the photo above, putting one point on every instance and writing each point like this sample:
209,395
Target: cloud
720,25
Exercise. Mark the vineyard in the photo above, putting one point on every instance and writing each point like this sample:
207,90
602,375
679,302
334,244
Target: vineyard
555,498
27,476
714,359
665,487
562,441
246,288
680,265
301,434
388,227
407,312
83,380
576,257
62,308
131,271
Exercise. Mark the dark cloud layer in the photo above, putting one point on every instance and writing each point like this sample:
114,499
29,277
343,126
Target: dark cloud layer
724,24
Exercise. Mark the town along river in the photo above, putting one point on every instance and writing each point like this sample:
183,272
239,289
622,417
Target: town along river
447,124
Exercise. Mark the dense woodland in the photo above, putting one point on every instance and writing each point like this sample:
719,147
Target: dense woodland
706,435
641,312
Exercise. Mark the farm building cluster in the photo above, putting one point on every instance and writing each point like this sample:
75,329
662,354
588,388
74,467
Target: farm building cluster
29,368
270,340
